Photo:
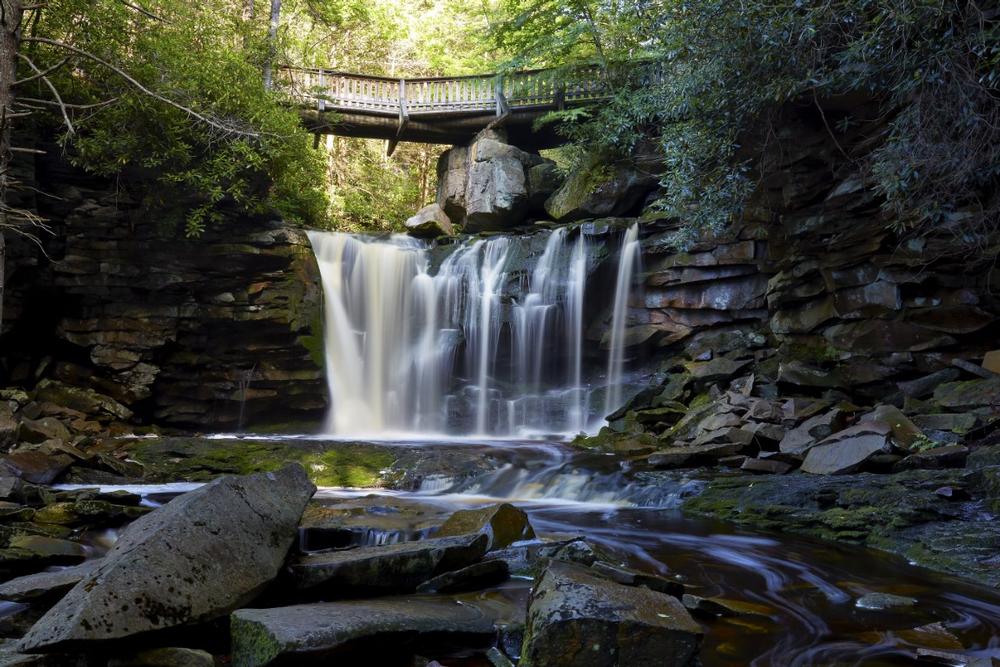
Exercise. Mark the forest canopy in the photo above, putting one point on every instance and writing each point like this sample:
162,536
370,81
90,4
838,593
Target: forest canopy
174,89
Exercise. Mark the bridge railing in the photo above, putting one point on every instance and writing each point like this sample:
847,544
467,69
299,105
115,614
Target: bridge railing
342,91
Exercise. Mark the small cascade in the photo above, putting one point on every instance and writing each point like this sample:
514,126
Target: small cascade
623,286
491,343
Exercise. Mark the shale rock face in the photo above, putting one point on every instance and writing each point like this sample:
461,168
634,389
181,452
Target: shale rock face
196,558
187,328
577,619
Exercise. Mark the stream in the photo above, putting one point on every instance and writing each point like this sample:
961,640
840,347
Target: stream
808,589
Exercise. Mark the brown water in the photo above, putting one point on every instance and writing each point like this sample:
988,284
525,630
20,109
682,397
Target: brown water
808,588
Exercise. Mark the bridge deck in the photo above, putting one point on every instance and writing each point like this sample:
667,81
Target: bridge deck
447,110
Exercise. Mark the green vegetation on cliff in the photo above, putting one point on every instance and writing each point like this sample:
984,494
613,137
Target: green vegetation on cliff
923,75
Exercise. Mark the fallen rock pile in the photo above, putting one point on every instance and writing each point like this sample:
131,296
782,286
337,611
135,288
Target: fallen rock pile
749,427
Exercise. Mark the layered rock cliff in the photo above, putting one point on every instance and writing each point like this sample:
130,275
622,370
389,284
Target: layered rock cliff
207,332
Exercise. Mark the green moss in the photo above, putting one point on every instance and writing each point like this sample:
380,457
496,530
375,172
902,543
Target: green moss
314,342
356,467
328,464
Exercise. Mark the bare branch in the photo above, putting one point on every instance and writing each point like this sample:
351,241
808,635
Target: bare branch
46,72
136,84
95,105
20,149
145,12
52,89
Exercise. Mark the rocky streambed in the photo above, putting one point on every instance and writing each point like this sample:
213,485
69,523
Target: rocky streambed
488,553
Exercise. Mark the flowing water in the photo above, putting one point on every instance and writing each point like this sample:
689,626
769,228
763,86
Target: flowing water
807,590
488,341
466,355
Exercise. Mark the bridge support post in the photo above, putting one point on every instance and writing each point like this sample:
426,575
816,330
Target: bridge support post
404,118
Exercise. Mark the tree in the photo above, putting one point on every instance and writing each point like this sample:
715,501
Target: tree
157,90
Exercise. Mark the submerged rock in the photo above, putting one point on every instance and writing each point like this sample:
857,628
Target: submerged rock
318,633
580,620
478,575
881,601
164,657
386,569
196,558
503,523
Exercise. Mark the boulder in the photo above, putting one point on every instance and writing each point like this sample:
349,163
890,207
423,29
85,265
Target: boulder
81,399
581,620
504,524
45,428
601,188
429,222
543,180
847,450
904,431
768,466
45,584
37,467
386,569
485,187
949,456
969,394
198,557
321,633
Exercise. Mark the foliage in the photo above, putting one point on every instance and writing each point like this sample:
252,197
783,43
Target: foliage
932,66
244,146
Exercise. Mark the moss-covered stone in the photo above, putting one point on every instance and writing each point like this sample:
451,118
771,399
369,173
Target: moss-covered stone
328,464
900,513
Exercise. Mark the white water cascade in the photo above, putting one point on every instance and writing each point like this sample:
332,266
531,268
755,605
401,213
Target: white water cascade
491,343
628,258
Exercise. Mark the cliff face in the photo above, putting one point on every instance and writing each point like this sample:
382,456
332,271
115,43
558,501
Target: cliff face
206,332
811,290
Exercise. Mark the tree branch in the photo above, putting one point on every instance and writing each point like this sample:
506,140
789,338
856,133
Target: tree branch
52,89
44,73
145,12
136,84
96,105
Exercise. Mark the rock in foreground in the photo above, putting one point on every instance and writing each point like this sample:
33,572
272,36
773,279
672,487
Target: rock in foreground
198,557
503,523
315,632
386,569
579,620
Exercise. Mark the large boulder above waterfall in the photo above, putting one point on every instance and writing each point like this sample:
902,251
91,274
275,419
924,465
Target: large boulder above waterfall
429,222
487,186
196,558
600,189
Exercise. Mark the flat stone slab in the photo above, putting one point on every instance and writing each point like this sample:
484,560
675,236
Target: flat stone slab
34,586
392,568
304,633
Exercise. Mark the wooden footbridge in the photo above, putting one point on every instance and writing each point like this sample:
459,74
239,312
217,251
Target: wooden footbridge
451,110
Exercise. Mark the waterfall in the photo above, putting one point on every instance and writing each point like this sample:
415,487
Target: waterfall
488,343
623,284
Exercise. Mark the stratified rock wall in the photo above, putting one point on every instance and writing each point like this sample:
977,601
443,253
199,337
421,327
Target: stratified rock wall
180,330
812,288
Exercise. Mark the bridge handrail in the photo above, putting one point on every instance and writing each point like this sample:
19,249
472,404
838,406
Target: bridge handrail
336,90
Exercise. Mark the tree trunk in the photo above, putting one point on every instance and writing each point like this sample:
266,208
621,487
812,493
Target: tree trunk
272,42
11,14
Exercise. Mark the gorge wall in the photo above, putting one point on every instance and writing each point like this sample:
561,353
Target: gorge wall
191,332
